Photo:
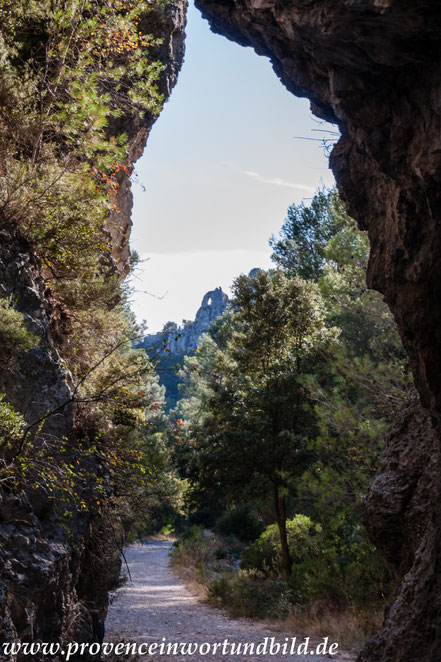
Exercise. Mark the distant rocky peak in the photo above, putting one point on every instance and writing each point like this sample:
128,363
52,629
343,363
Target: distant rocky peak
212,306
253,273
184,339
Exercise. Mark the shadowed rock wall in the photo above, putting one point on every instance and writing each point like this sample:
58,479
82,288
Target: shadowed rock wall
373,68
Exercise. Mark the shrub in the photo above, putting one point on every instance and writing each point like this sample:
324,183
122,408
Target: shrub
241,522
12,424
14,336
322,571
304,539
195,546
252,595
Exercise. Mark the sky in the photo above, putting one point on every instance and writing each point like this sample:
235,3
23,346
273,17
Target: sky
231,150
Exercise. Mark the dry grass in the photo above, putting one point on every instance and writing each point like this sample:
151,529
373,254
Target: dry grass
191,576
350,628
194,563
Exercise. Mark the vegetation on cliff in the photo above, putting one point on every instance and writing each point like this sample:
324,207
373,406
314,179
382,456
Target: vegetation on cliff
69,72
80,409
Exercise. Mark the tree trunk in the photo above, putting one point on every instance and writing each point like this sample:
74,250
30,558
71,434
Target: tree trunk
280,508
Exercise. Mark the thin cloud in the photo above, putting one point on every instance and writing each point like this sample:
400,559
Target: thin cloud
277,181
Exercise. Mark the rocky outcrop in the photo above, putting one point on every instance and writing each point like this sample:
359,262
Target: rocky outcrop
37,381
54,577
372,68
184,339
39,567
167,24
170,346
403,516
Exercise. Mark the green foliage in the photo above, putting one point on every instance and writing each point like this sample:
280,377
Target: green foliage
323,569
303,540
196,547
250,430
71,74
301,247
272,414
252,437
359,392
14,336
195,388
241,522
12,424
68,72
168,367
250,594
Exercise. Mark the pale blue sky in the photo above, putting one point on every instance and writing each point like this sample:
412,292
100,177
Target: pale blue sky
221,167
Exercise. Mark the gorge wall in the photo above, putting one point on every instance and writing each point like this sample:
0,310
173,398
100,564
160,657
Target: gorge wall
54,577
372,68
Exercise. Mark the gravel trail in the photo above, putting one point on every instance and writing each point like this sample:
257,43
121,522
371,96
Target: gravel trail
156,606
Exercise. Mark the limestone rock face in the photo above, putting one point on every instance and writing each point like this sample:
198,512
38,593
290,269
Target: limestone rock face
53,581
372,68
169,25
187,336
184,339
173,343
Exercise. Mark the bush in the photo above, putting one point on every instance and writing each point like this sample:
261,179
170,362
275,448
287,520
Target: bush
250,594
14,336
322,572
196,546
241,522
304,539
12,424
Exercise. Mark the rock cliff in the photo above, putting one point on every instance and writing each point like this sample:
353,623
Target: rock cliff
54,578
184,339
169,24
372,68
402,517
174,342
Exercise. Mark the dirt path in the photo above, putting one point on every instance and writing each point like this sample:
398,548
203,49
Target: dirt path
156,605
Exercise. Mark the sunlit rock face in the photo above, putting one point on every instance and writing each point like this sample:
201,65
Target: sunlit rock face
171,345
54,577
168,25
185,338
372,68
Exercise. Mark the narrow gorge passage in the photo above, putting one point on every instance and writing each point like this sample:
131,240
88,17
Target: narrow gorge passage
156,604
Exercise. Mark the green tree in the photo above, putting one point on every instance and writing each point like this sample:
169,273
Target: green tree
357,393
366,382
252,438
300,248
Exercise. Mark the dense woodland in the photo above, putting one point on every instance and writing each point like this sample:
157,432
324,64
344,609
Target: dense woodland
276,436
